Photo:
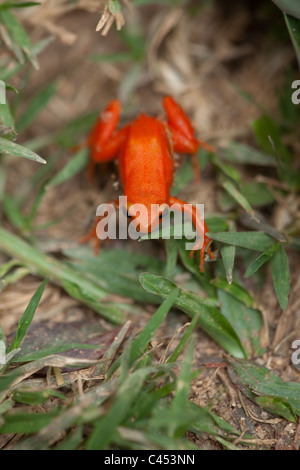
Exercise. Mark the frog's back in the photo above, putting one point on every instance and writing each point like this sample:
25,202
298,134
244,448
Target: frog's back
146,161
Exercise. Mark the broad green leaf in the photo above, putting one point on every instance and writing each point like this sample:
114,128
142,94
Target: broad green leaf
261,260
216,223
246,155
76,163
211,319
27,316
281,276
277,406
233,289
210,423
26,423
262,225
114,6
258,381
245,320
228,256
10,148
117,271
257,194
257,241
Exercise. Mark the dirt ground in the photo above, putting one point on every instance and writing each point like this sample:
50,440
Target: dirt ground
198,58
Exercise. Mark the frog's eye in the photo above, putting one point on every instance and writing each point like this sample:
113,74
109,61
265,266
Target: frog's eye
164,212
125,212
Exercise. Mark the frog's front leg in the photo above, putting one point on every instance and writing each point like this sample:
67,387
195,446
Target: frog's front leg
93,235
104,140
183,134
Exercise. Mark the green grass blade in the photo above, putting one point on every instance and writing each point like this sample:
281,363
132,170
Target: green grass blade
291,7
6,117
233,289
261,260
293,26
246,155
257,241
73,281
138,345
257,194
27,316
171,252
237,196
228,256
37,103
259,382
268,136
26,423
13,212
211,319
281,276
181,398
10,148
247,321
128,391
76,163
180,346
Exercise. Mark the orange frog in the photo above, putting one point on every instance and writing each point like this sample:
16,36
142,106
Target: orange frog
145,152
